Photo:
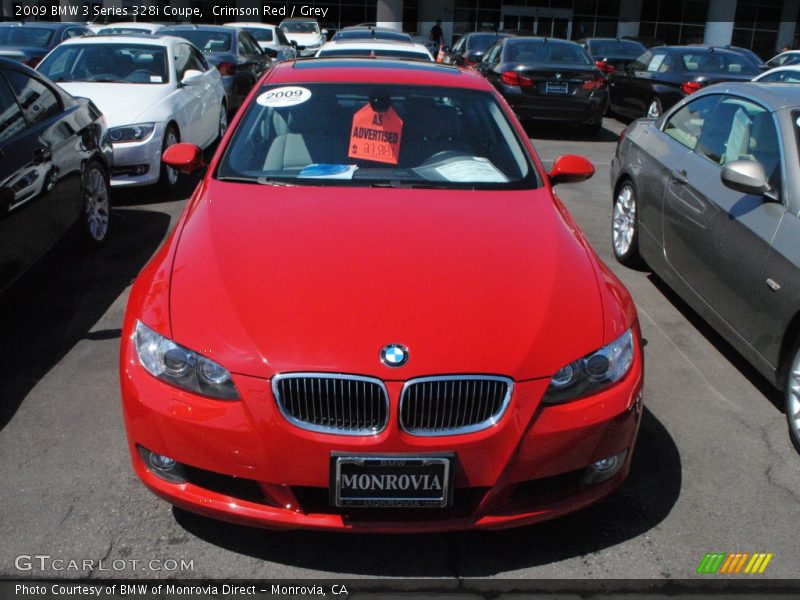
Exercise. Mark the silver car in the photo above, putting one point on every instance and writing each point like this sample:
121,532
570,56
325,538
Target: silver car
708,196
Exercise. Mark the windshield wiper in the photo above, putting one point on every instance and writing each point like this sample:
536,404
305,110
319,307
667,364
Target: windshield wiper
255,180
394,183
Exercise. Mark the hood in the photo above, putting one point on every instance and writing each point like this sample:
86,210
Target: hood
120,103
277,279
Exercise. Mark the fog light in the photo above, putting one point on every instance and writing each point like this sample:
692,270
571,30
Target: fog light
605,468
162,466
140,169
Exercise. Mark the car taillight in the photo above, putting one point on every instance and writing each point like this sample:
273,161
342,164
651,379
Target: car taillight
32,62
604,66
226,68
514,78
690,87
595,83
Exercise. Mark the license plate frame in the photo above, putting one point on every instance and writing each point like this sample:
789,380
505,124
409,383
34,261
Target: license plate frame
560,88
376,464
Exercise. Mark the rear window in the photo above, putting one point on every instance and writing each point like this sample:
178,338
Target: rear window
300,27
36,37
379,53
260,34
719,62
546,52
377,135
121,31
616,48
479,43
207,41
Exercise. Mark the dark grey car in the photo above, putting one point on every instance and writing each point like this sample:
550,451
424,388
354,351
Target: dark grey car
708,196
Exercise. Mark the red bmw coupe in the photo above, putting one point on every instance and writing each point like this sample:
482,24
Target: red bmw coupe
375,315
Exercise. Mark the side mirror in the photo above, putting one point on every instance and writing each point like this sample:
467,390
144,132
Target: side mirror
570,168
324,32
183,157
271,52
294,44
192,77
746,176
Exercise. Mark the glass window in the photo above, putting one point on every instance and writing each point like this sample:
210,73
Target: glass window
198,59
686,124
660,63
524,51
38,101
260,34
738,129
640,64
247,45
616,48
107,63
368,134
409,53
37,37
207,41
718,62
300,27
11,119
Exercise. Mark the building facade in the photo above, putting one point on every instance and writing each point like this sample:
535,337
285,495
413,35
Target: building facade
761,25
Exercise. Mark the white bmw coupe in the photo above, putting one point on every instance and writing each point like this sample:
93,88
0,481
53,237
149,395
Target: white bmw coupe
154,91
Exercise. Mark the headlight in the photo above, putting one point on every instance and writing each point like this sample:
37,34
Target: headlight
593,372
179,366
131,133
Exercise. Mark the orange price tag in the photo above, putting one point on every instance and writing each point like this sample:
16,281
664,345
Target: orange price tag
376,136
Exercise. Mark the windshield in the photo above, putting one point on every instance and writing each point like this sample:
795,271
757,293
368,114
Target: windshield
546,52
300,27
207,41
376,135
480,42
259,33
107,63
719,62
25,36
378,52
616,48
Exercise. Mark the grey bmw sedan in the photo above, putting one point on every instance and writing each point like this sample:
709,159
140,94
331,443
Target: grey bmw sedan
708,197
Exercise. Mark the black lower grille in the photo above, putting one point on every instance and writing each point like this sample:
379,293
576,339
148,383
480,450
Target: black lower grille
332,403
453,404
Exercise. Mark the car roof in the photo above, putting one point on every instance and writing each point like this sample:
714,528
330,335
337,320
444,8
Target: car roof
541,40
41,24
773,95
199,27
253,24
299,20
375,70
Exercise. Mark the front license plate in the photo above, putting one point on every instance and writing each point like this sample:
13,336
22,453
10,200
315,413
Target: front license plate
556,87
391,481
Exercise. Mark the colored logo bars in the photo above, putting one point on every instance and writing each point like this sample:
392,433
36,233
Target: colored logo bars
737,562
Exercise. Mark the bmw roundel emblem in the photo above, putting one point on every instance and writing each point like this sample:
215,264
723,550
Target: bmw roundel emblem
394,355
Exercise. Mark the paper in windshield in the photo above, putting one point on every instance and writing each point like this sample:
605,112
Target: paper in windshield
463,169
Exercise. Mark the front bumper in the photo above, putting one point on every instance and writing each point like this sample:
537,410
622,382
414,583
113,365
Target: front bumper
249,465
142,155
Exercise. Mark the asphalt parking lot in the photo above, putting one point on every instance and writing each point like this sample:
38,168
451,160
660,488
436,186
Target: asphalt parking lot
714,469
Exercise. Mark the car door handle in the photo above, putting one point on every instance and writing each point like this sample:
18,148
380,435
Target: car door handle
41,155
679,177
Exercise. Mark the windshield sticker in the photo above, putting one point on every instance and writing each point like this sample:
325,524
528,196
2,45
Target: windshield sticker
155,79
284,96
462,169
327,171
376,135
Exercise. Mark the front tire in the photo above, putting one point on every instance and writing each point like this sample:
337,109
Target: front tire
223,122
95,206
169,178
625,226
654,109
792,399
